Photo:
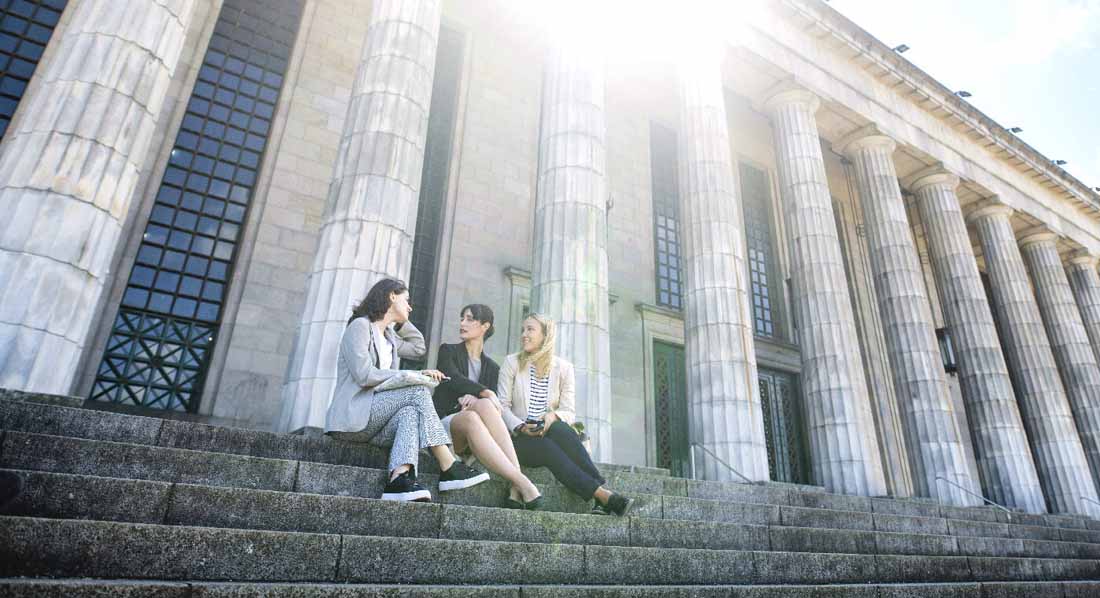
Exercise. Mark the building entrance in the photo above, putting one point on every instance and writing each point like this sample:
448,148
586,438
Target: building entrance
784,427
670,392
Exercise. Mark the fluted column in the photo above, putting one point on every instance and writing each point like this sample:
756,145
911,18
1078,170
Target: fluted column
67,179
370,215
1004,457
1068,339
931,428
1055,443
834,387
1086,290
569,281
723,392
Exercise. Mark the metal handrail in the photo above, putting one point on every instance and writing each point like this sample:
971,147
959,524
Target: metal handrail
695,445
941,478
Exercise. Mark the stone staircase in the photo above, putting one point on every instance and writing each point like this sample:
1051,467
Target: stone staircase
123,505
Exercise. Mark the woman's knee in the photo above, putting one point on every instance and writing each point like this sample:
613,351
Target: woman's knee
486,408
465,420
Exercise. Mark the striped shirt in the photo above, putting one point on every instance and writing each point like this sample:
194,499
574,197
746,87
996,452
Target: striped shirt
540,391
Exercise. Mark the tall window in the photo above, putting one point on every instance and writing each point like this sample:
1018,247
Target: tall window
763,278
666,216
25,29
433,184
165,330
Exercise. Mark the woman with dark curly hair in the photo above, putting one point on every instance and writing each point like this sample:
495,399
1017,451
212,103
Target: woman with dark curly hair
403,417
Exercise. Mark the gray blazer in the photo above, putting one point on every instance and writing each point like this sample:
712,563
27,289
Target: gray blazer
357,371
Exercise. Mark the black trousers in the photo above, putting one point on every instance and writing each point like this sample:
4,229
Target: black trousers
560,450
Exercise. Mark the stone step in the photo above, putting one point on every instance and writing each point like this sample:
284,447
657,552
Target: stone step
37,452
65,496
85,588
55,415
62,416
21,450
32,547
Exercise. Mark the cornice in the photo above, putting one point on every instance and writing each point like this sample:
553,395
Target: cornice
880,57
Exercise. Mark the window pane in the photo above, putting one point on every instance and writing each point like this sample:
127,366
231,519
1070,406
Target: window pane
25,28
191,224
666,218
759,244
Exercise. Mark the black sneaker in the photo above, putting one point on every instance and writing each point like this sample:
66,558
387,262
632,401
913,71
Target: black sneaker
619,504
405,488
461,476
598,509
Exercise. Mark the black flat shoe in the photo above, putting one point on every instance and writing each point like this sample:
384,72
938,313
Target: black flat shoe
513,504
534,505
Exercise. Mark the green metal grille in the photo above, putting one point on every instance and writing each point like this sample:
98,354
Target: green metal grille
784,429
670,398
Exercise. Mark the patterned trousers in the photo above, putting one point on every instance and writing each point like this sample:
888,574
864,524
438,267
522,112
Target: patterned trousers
404,419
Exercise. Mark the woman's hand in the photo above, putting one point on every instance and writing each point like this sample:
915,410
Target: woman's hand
547,421
466,401
434,375
527,430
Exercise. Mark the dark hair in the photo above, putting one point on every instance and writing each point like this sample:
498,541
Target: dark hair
482,313
377,302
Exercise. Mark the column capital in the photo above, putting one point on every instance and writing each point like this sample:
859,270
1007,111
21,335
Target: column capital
927,177
1084,259
1036,234
988,207
865,137
788,92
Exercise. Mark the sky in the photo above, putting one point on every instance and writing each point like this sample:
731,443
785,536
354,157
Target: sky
1033,64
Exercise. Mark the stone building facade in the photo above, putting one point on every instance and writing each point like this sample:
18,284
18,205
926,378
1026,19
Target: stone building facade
779,247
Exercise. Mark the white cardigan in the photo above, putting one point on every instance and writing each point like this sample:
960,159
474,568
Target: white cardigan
514,386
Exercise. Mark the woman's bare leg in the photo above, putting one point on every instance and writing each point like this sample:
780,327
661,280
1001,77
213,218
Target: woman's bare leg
602,495
471,429
490,416
442,454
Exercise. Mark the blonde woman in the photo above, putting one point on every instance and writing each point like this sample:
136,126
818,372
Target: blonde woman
538,392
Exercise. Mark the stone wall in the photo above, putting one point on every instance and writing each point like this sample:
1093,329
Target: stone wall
487,226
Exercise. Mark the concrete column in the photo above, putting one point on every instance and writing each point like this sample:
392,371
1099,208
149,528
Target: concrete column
834,387
569,281
67,179
931,428
370,215
1068,339
723,391
1086,290
1055,443
1004,457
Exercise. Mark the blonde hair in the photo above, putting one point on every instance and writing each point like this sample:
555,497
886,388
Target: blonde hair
543,357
